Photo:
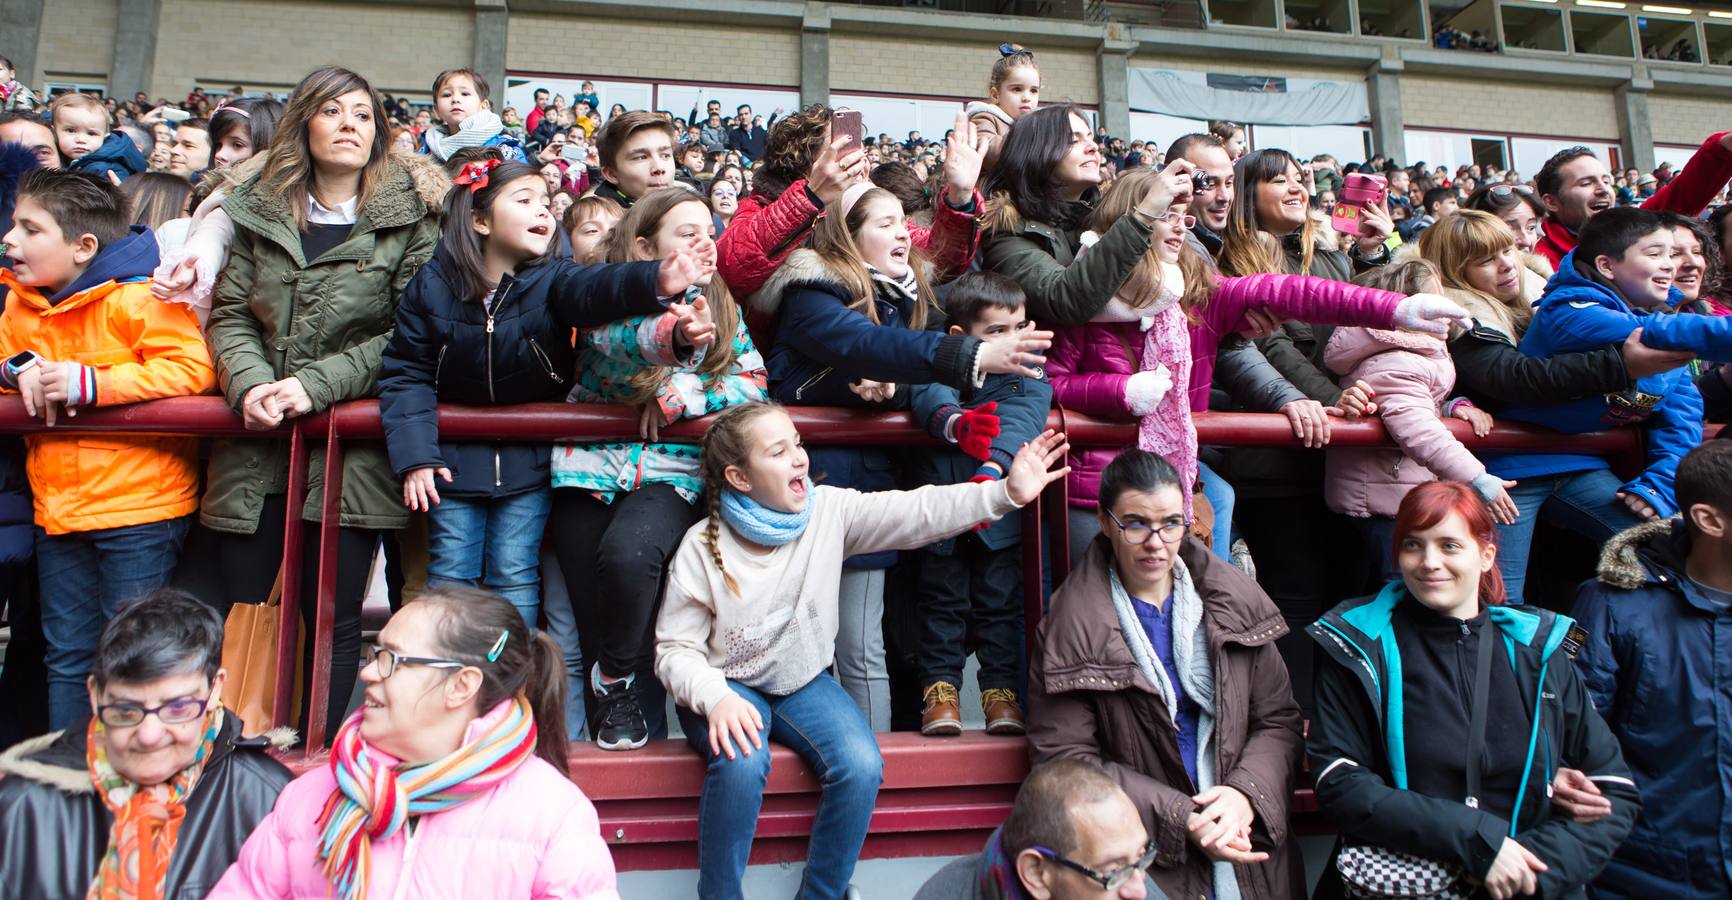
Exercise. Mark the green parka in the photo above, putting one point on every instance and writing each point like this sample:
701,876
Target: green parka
1041,257
326,322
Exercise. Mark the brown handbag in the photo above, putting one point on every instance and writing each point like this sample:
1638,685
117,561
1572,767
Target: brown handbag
250,657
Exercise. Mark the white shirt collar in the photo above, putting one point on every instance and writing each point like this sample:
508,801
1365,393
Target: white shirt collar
345,213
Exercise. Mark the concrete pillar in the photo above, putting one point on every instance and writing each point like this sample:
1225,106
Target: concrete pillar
1113,61
491,30
1635,128
20,29
135,49
815,55
1388,125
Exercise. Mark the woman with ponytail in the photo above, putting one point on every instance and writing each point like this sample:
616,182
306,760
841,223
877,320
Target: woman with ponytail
449,781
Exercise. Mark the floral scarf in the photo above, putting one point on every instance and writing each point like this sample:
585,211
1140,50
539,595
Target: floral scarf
146,819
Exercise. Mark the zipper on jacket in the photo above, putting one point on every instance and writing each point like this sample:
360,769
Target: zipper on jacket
439,367
497,482
800,392
491,309
546,361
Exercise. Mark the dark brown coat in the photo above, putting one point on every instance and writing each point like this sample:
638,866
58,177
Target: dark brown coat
1088,700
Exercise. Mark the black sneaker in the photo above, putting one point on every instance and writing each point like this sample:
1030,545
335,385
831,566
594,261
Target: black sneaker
622,722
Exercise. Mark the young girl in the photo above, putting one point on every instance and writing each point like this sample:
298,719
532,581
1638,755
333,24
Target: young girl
1012,92
853,313
1412,376
619,508
487,322
1150,353
750,623
589,222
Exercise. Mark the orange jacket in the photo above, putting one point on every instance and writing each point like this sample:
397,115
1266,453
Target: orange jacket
142,349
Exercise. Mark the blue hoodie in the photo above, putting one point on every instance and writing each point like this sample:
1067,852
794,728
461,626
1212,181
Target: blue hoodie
118,154
1581,313
132,258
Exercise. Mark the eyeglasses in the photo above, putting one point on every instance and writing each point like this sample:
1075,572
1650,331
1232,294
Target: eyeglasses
1137,534
1109,881
389,660
1504,190
174,712
1172,218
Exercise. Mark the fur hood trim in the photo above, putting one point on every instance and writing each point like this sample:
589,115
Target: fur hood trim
1620,564
425,179
16,762
805,266
979,107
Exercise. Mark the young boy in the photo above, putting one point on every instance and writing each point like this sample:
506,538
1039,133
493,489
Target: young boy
637,156
976,579
1615,281
80,124
465,118
1657,619
81,329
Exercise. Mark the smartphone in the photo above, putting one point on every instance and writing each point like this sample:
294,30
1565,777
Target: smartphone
574,153
847,123
1358,193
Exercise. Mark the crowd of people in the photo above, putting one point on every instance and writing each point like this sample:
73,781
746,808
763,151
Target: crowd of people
1230,613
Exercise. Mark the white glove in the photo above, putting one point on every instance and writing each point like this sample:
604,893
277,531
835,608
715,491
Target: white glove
1431,314
1145,390
1489,487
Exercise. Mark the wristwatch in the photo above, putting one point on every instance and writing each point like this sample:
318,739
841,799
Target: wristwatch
19,362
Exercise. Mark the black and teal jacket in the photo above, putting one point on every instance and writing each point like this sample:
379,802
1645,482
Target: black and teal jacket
1360,731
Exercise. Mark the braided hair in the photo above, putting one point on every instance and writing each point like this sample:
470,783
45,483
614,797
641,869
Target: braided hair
726,443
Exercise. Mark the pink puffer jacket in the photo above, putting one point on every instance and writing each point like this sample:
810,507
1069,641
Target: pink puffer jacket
534,836
1090,364
1412,375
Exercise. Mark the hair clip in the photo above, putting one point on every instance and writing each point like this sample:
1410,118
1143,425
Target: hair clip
474,175
499,645
1009,49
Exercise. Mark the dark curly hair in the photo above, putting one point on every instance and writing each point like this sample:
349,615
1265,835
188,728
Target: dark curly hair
790,150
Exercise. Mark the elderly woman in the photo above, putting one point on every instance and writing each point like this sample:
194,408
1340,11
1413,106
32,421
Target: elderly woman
327,235
155,797
1158,661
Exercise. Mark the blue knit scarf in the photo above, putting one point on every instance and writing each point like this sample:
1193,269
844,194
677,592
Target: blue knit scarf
762,525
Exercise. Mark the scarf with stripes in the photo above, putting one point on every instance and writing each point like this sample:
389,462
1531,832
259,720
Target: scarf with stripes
376,795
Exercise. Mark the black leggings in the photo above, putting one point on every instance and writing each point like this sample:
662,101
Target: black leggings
240,568
613,556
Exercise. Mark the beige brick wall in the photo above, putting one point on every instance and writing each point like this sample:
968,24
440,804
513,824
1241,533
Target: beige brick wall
77,39
272,43
639,49
1687,120
896,64
1471,104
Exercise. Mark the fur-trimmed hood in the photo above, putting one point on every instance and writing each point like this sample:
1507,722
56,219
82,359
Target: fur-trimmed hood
47,761
987,107
805,266
1622,563
431,182
413,188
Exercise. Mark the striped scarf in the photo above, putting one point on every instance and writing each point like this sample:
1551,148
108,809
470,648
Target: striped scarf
376,795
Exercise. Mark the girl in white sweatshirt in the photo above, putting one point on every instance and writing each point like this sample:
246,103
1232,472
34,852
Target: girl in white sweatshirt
747,629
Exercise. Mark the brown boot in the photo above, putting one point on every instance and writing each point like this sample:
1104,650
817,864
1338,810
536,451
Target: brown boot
1003,713
943,716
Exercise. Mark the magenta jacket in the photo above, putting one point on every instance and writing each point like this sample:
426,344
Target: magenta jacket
1089,364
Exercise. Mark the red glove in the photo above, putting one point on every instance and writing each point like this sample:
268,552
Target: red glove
976,428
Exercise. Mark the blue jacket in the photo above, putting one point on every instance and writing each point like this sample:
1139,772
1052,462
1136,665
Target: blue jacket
1579,313
448,350
1656,664
118,154
1358,748
1023,404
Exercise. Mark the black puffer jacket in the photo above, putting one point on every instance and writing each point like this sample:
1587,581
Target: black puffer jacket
447,350
55,828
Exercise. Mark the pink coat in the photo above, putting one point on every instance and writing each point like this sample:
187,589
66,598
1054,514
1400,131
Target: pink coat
1089,364
534,836
1412,375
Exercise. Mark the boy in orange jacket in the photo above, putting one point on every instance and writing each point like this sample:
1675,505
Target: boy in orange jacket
81,329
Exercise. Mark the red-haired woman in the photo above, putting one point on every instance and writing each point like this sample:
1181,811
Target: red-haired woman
1422,750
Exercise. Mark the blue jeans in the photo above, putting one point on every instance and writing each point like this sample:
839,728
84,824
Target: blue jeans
1584,502
562,627
1221,497
492,543
87,576
823,725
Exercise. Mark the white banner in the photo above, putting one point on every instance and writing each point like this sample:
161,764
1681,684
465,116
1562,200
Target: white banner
1305,101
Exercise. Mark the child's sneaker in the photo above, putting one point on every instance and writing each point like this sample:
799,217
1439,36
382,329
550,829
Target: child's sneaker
622,722
943,715
1003,713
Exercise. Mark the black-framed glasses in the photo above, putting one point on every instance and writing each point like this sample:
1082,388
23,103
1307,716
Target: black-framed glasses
1110,881
1138,533
389,660
174,712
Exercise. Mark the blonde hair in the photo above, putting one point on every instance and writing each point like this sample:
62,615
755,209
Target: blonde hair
725,444
1408,275
1468,237
833,241
288,172
1139,288
642,221
77,100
